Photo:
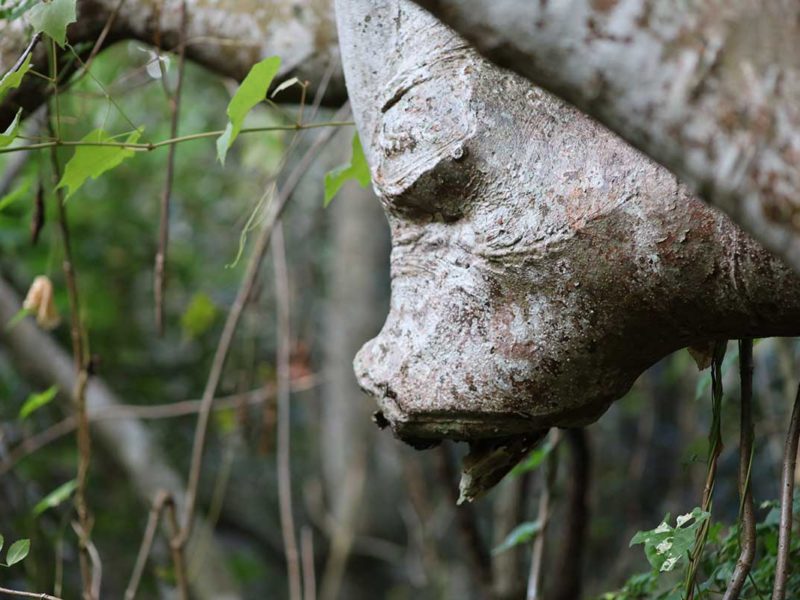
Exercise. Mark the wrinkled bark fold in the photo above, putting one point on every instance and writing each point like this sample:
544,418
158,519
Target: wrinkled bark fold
710,89
539,263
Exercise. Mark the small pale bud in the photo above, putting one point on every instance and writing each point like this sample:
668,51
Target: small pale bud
40,302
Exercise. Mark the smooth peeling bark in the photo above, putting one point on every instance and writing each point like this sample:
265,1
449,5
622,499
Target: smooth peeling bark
539,264
226,36
710,89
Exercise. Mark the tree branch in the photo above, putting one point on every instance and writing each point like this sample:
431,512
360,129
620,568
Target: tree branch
711,89
227,37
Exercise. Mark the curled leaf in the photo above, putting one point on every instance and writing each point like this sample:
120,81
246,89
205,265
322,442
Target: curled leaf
40,302
10,133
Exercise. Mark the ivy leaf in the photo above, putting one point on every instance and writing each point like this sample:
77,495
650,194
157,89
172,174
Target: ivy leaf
13,79
37,401
252,91
93,161
665,546
18,551
10,134
199,316
521,534
357,169
56,497
52,17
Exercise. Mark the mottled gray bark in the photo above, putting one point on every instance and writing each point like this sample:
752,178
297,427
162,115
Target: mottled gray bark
539,263
226,36
126,440
711,89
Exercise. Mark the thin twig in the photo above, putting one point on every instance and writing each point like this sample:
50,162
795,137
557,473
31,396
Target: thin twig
98,44
28,594
156,411
25,53
96,570
245,289
80,355
147,543
787,495
284,414
162,503
307,550
570,565
176,548
163,234
747,517
549,479
150,146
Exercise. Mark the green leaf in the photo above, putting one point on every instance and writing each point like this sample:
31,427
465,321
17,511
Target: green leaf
52,18
16,10
2,541
11,133
357,169
15,195
12,322
521,534
199,315
37,401
534,460
93,161
56,497
13,79
665,546
18,551
252,91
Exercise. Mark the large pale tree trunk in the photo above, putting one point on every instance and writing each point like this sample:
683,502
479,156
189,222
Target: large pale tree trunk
539,263
710,89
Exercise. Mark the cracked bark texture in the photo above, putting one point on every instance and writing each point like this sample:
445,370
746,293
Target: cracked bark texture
226,36
539,263
710,89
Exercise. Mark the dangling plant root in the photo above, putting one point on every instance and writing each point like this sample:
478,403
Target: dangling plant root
787,493
746,510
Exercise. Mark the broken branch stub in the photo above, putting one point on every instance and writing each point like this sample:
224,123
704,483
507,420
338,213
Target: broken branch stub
539,263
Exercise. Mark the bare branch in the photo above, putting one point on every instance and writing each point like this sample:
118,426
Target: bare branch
235,313
163,234
228,37
28,594
569,583
284,414
548,475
